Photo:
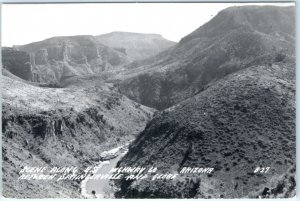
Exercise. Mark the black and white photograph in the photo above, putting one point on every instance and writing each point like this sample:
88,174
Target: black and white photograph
148,100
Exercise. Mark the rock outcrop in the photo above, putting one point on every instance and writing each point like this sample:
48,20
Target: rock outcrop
58,58
50,127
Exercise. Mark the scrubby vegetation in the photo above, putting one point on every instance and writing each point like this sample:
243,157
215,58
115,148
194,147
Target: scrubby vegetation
240,122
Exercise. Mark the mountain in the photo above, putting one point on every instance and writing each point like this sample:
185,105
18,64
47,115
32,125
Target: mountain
243,121
137,46
227,98
236,38
50,127
57,58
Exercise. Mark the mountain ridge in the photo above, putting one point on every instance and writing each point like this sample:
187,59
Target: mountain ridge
59,57
209,53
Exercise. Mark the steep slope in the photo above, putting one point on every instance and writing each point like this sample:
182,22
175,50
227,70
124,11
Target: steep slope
49,127
17,63
7,73
136,45
236,38
57,58
243,121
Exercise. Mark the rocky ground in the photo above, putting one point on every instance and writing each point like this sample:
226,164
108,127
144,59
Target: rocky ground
61,127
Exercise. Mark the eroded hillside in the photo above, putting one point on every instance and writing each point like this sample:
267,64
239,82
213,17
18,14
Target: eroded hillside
58,58
61,127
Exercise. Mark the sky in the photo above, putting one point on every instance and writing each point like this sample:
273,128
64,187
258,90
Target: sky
25,23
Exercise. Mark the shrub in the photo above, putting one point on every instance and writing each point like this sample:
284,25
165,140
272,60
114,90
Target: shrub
279,57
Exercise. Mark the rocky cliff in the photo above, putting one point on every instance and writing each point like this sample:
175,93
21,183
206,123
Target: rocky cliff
58,58
54,127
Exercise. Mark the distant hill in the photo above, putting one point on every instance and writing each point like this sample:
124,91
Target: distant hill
236,38
58,58
137,46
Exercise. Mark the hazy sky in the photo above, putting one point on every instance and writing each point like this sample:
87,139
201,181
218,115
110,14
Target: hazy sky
25,23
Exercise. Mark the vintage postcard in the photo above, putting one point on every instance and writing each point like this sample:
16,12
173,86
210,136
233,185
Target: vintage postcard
148,100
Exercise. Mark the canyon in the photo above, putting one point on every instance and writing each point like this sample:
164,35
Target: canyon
223,98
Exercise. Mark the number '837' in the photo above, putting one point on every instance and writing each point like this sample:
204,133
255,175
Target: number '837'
261,169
